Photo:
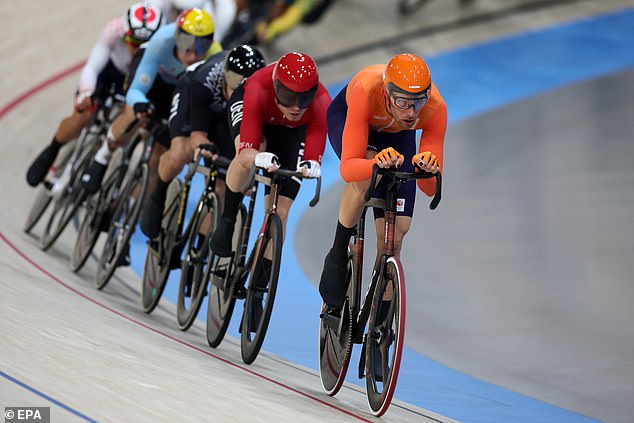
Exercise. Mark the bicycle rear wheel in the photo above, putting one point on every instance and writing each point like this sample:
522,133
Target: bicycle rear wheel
123,223
335,344
222,298
385,337
194,276
43,196
262,288
96,215
38,207
66,203
159,263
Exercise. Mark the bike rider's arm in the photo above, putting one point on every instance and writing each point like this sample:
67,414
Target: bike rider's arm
146,73
316,130
98,58
354,166
200,99
252,115
433,118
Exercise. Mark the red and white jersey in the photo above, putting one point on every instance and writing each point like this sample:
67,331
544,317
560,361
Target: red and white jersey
260,107
109,46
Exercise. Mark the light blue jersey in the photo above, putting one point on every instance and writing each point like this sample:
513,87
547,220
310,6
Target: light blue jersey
158,59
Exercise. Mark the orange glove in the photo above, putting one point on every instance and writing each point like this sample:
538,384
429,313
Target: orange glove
426,161
389,157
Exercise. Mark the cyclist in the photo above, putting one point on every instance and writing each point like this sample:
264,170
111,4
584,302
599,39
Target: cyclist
374,120
223,12
107,65
199,116
154,74
285,104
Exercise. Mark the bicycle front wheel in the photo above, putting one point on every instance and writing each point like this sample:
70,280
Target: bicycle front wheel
158,259
122,226
385,337
222,298
258,305
194,276
335,343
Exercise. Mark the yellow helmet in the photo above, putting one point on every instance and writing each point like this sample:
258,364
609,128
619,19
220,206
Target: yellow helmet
196,22
194,31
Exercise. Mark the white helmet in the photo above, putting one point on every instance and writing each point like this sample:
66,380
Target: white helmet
140,22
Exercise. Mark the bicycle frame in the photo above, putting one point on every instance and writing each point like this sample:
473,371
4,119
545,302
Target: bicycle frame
274,181
361,310
210,186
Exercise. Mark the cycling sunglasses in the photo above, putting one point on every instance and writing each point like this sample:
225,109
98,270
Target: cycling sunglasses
187,42
405,103
289,98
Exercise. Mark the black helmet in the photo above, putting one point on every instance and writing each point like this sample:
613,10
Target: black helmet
242,62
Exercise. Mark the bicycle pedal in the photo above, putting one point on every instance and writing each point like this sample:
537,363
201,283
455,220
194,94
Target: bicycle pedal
239,292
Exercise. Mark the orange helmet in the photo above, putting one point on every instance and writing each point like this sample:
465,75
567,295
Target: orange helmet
407,73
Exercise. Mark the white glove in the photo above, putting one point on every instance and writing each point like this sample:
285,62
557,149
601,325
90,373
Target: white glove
309,168
268,161
83,101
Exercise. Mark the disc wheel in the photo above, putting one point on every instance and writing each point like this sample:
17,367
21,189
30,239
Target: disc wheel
158,259
385,338
335,343
222,298
194,276
43,195
96,216
263,279
65,204
124,219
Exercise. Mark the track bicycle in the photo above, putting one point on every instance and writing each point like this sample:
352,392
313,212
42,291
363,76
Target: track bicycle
382,310
164,253
127,196
62,185
229,274
125,181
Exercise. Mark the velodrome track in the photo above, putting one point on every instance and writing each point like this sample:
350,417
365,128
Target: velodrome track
96,355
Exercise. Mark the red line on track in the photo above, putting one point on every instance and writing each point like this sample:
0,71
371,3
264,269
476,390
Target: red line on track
39,87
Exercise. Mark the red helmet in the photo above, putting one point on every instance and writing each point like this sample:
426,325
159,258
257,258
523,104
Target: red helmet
295,79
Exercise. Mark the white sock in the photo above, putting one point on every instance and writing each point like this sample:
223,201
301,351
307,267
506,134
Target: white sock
103,154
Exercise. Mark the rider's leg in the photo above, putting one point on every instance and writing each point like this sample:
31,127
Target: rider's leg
69,129
331,285
93,176
401,227
237,174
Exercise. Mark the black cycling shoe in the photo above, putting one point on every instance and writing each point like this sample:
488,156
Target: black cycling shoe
91,179
220,242
40,166
332,286
152,218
